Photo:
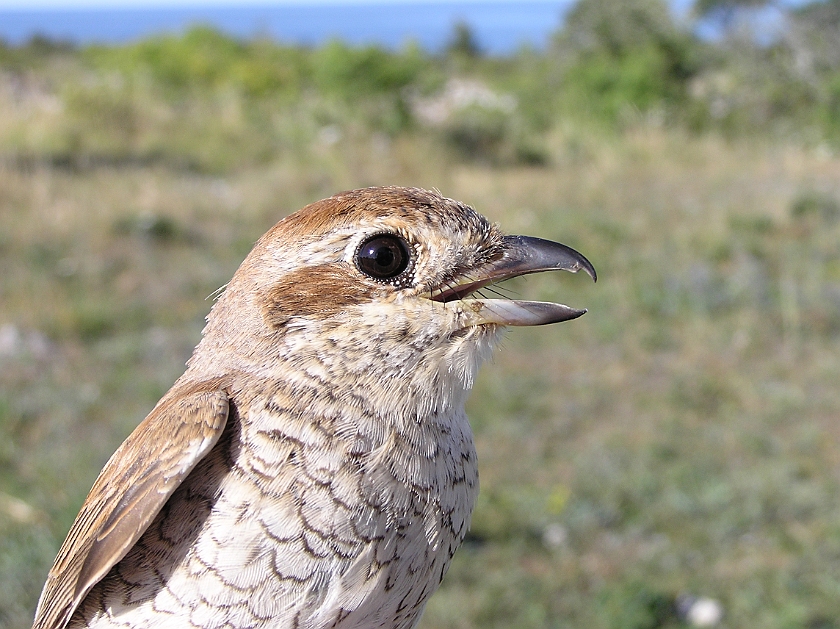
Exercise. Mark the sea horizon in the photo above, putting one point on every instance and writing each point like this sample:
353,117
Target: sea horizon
499,26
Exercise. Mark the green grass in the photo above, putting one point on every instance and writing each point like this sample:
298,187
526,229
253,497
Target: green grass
682,435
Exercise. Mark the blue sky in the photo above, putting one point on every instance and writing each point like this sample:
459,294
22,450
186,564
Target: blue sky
77,4
501,26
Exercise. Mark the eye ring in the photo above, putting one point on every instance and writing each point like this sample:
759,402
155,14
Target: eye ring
384,257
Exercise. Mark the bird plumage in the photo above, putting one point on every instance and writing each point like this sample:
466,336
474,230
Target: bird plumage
314,466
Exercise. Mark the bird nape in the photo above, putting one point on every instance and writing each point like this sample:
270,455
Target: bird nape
313,467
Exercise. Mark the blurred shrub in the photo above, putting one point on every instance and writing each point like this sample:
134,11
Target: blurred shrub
35,53
205,58
623,54
152,227
817,204
209,102
606,86
370,78
635,605
463,41
478,133
358,72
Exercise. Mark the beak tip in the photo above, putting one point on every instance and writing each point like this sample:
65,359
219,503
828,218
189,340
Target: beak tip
581,312
587,266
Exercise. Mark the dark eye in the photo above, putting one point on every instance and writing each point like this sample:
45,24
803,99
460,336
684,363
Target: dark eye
383,257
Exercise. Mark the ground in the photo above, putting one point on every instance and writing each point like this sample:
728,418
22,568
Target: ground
680,438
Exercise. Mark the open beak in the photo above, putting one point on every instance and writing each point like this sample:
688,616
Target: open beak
521,255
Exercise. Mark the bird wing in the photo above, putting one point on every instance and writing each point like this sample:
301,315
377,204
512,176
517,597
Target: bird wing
129,492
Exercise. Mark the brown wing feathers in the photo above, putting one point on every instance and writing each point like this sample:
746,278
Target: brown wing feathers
115,514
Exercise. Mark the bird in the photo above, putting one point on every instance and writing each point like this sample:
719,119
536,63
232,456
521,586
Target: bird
313,467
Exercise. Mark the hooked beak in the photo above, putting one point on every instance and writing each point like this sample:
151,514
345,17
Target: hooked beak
520,255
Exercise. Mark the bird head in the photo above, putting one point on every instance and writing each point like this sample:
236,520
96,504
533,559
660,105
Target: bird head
377,285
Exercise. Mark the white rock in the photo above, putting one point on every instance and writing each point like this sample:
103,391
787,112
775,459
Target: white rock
704,612
555,535
10,340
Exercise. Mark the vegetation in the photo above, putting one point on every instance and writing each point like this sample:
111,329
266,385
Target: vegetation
680,439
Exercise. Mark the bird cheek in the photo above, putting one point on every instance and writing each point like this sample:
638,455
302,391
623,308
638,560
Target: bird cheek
315,292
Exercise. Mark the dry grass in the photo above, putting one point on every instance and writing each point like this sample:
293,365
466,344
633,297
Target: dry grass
680,438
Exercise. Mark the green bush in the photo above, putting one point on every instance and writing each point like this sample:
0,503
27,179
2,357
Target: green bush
205,58
355,73
623,55
605,86
209,102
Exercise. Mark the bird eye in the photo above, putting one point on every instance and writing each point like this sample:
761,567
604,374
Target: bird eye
383,257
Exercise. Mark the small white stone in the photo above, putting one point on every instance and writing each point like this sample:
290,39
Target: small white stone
705,612
555,535
329,135
10,340
18,510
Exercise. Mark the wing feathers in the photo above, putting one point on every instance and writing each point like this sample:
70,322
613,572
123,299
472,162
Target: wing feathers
130,491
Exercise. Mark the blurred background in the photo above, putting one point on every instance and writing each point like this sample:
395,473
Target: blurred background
679,442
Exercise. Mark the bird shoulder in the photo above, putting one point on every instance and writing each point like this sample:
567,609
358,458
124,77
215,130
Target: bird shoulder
129,492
